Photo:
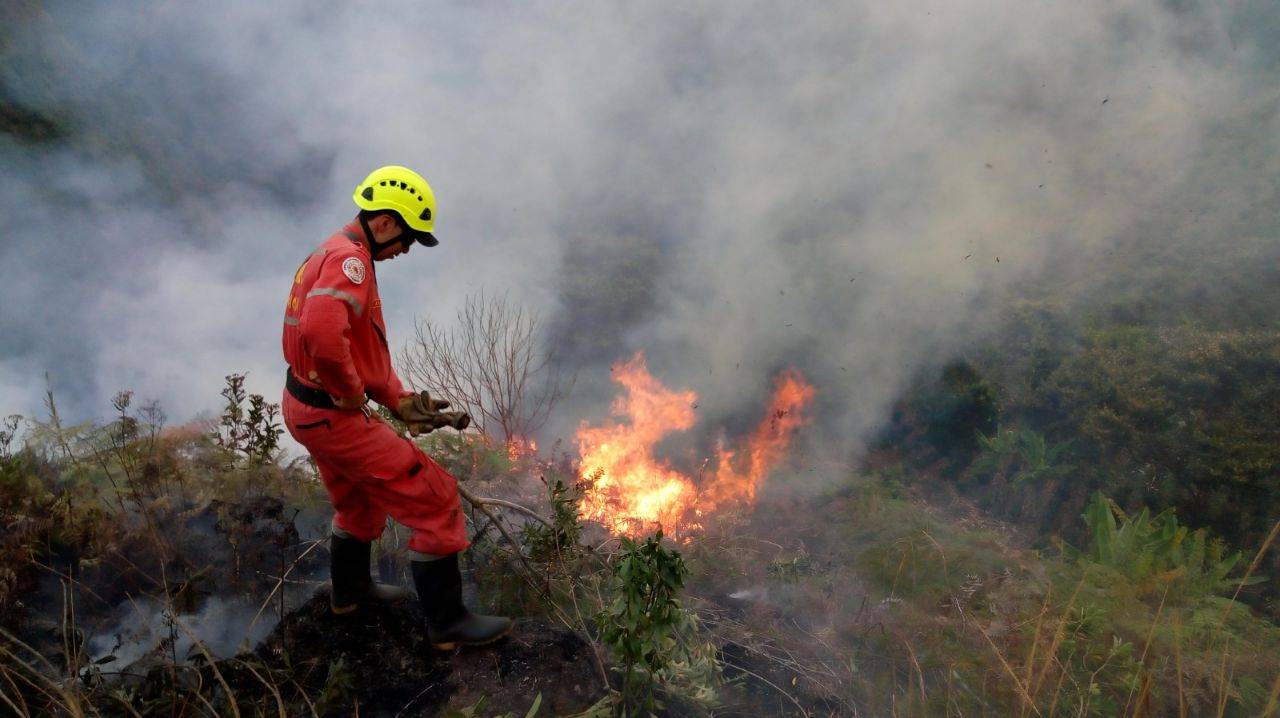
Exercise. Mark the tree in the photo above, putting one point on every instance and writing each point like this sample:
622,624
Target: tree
490,364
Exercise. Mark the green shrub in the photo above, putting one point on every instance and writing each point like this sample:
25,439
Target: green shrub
1020,455
546,543
468,455
1154,550
644,624
254,431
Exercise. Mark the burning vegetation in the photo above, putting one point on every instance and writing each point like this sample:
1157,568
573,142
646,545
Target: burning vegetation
889,603
153,570
631,491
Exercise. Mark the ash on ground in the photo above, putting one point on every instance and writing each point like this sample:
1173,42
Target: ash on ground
379,661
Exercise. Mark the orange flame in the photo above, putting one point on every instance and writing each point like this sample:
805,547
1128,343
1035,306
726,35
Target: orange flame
519,447
766,447
629,490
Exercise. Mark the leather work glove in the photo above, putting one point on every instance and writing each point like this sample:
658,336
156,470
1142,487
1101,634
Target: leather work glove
419,408
438,420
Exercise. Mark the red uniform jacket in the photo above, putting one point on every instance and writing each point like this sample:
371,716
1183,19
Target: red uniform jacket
334,335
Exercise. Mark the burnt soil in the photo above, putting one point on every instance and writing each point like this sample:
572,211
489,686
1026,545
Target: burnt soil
379,660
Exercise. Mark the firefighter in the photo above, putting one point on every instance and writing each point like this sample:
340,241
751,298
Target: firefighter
335,342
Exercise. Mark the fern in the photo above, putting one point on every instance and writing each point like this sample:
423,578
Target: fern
1157,550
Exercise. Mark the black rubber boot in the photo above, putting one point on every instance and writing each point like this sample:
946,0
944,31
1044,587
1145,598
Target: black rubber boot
449,623
350,585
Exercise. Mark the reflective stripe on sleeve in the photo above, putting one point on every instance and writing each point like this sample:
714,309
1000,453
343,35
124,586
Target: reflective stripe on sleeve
355,303
291,321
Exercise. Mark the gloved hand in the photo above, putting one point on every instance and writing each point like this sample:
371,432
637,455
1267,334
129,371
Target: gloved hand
419,408
438,420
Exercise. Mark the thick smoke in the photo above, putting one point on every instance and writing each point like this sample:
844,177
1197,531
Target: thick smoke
733,187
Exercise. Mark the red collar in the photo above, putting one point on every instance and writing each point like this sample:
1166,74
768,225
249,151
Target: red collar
355,233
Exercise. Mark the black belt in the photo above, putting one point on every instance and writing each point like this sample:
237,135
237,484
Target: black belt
317,398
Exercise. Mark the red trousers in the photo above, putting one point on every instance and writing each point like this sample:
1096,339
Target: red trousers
372,472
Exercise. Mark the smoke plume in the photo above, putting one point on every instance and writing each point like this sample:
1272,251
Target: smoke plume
736,188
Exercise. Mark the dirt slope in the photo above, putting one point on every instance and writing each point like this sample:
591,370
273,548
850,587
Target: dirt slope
380,661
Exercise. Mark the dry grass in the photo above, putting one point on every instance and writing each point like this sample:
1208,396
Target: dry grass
922,614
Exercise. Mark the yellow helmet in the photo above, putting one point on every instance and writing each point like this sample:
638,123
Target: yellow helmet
403,191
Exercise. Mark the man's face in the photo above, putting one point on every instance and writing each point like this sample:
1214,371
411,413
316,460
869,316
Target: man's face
395,250
387,229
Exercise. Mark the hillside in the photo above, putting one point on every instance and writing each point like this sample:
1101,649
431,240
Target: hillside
861,599
1150,372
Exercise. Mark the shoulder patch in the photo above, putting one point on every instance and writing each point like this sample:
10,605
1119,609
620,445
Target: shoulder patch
354,269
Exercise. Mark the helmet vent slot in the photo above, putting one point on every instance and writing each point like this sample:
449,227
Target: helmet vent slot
367,193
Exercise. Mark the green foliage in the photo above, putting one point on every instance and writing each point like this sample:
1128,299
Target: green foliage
934,614
472,711
129,512
469,455
1106,670
790,569
1020,455
255,431
14,472
641,622
338,688
1178,416
264,429
969,409
945,418
233,432
24,501
1158,359
1155,549
1181,418
546,543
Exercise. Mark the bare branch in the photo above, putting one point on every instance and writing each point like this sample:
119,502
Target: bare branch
490,364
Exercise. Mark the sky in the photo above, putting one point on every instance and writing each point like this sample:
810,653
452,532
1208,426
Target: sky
734,188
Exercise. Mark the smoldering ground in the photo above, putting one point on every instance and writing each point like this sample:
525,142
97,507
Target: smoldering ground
846,188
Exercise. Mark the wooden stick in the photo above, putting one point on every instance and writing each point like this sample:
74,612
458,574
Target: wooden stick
506,505
482,508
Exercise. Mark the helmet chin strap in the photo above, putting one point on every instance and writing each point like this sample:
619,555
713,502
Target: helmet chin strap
376,247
